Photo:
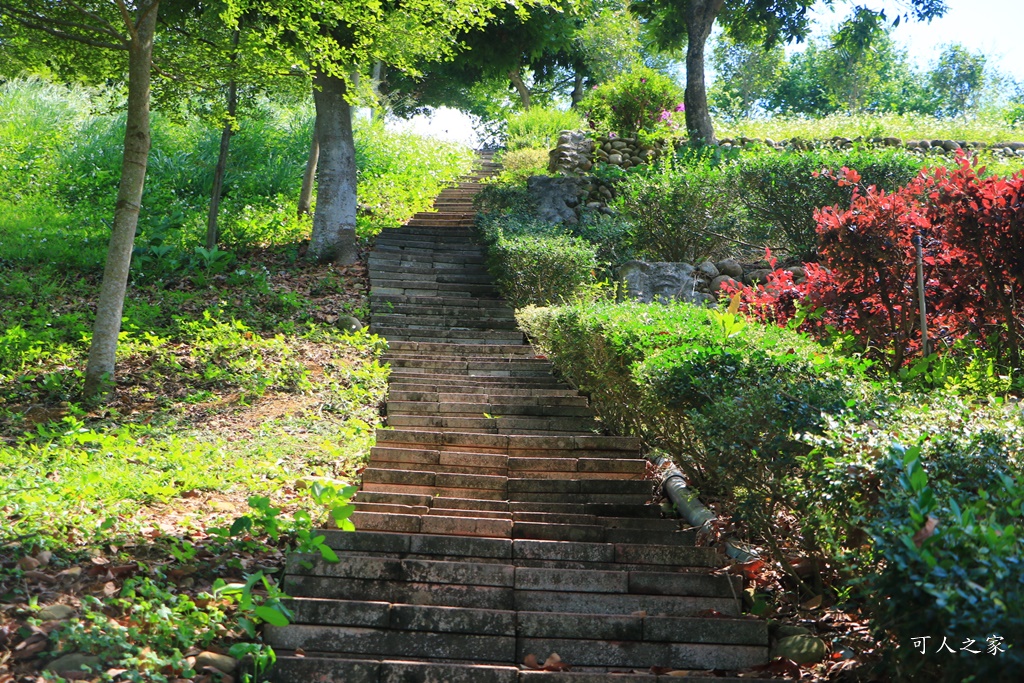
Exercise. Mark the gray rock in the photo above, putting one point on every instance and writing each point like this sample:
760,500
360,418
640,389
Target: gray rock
950,146
614,158
759,275
798,272
716,284
730,267
708,270
217,661
72,662
660,281
555,198
348,323
802,649
56,613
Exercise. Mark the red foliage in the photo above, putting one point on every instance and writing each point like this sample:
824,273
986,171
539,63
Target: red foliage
972,232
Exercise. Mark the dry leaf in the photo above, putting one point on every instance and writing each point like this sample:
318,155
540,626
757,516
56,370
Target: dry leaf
813,603
928,530
530,660
28,563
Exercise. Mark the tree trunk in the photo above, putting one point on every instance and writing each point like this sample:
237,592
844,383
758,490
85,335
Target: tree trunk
701,15
577,89
334,223
222,156
520,85
222,165
103,349
306,194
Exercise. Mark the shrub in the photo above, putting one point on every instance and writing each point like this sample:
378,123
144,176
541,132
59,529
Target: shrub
520,164
538,127
542,269
930,526
700,386
639,100
971,230
781,192
679,213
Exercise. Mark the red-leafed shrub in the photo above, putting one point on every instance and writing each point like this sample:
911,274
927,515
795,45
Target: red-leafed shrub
972,232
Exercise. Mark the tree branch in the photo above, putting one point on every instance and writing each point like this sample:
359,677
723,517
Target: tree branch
95,17
127,18
70,36
33,20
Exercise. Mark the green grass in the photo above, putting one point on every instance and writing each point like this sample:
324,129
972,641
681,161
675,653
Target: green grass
985,127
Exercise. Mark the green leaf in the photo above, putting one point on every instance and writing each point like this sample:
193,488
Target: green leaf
271,616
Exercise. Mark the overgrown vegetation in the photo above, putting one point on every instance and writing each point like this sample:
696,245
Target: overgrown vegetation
246,397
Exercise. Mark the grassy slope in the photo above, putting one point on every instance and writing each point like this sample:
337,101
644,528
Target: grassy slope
236,388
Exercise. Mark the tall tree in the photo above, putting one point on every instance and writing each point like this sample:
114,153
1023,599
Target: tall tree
745,75
128,27
676,23
331,38
959,79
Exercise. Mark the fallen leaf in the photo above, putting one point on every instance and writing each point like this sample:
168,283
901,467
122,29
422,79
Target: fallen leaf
28,563
44,558
928,530
530,660
813,603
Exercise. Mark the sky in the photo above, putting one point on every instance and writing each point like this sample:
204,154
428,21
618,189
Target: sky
993,27
988,26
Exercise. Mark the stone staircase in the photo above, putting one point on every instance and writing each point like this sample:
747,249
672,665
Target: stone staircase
494,520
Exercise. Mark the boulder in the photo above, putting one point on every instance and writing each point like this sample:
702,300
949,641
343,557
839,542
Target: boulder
730,267
73,663
708,270
217,661
661,282
802,649
56,613
348,323
760,275
716,284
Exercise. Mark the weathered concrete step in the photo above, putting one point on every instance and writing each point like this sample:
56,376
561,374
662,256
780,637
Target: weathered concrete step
430,249
441,323
423,271
437,260
451,366
495,425
454,311
468,382
526,467
458,349
467,409
386,642
482,336
396,288
610,653
423,387
461,302
525,397
636,511
291,669
328,669
485,443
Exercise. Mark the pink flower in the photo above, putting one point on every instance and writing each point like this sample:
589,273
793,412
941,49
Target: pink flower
680,107
666,115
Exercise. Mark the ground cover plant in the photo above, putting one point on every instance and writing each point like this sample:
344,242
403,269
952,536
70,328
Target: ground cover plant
142,536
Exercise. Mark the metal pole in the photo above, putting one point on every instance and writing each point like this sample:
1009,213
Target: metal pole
921,305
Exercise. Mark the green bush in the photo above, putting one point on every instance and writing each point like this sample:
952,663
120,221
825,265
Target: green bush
518,165
639,100
780,192
542,269
867,500
679,212
699,385
539,127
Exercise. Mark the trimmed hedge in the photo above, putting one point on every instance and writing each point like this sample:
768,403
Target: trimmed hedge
909,504
542,269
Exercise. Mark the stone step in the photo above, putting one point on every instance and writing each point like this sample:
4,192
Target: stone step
511,445
477,378
437,260
469,336
292,669
476,302
597,510
495,425
442,323
452,366
475,409
416,270
428,392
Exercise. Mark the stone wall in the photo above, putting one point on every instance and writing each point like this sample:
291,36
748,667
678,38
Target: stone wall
701,284
577,152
